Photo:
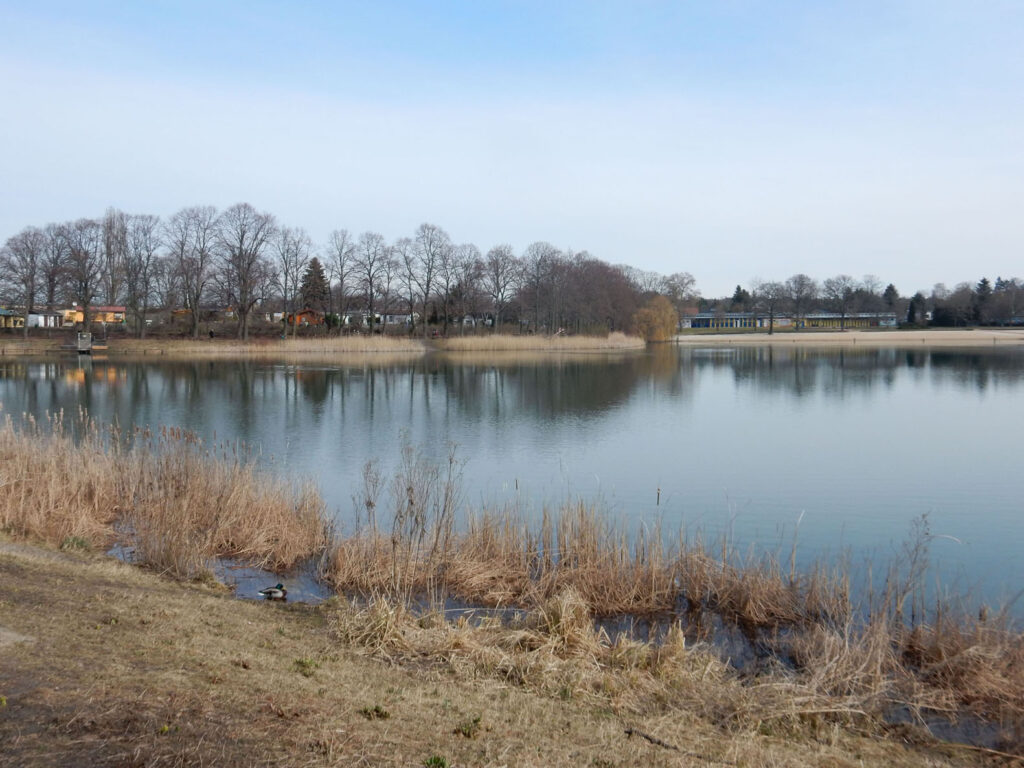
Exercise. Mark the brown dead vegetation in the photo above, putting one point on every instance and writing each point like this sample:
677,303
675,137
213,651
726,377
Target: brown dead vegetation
171,502
141,670
176,505
508,343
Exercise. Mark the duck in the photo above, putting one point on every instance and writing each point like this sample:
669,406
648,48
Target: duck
275,593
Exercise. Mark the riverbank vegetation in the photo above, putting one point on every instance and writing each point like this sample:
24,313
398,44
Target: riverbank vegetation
144,670
240,272
566,589
171,503
310,346
613,342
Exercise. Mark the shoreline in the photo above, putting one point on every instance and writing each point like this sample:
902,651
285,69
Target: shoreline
159,670
559,574
328,348
968,337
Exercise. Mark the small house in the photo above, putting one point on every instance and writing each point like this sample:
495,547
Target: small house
45,319
9,318
306,317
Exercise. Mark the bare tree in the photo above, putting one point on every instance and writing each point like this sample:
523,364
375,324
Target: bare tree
191,237
770,297
404,252
140,264
839,291
432,244
54,262
499,278
470,269
538,261
447,279
388,280
342,257
167,283
115,249
20,260
292,248
644,281
84,263
367,264
680,288
802,291
244,234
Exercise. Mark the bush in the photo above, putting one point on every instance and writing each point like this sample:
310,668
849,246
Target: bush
656,320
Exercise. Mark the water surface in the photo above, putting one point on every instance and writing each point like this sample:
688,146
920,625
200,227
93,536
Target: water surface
854,444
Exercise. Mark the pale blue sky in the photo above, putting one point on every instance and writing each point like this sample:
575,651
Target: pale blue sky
733,140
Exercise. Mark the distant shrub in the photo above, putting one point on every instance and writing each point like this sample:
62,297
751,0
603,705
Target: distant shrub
656,320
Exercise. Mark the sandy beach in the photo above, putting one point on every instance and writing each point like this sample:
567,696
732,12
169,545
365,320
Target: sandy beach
965,337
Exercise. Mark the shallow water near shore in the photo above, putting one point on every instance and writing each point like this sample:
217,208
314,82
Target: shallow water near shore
842,448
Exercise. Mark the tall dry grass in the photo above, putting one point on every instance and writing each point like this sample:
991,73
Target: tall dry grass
177,504
822,653
506,343
356,344
173,503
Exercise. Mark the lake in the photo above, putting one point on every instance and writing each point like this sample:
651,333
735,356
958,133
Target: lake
851,445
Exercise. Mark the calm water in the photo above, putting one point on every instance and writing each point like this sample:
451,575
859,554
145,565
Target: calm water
853,444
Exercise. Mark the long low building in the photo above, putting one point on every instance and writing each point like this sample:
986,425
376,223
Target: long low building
755,320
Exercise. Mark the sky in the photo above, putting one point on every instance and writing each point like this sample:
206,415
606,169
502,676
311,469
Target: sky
734,140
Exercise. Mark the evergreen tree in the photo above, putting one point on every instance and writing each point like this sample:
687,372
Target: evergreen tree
740,297
890,295
982,294
916,307
315,290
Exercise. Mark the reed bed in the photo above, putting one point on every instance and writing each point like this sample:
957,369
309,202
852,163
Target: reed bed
176,504
320,345
821,653
507,343
557,649
172,503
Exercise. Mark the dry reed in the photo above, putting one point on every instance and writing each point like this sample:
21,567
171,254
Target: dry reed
178,504
822,654
356,344
174,504
506,343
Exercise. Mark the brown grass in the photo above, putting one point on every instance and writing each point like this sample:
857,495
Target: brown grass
174,503
177,505
140,670
831,655
326,346
508,343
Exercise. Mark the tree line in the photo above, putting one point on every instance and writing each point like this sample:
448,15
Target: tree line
247,260
981,303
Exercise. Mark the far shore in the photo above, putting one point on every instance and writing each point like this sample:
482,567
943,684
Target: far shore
930,337
321,347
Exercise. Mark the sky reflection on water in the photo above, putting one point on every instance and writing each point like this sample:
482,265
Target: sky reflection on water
853,443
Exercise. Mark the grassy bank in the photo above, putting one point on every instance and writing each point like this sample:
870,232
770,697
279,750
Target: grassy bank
140,670
326,346
507,343
318,346
827,667
402,347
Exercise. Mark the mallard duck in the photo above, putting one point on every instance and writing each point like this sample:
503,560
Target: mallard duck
275,593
